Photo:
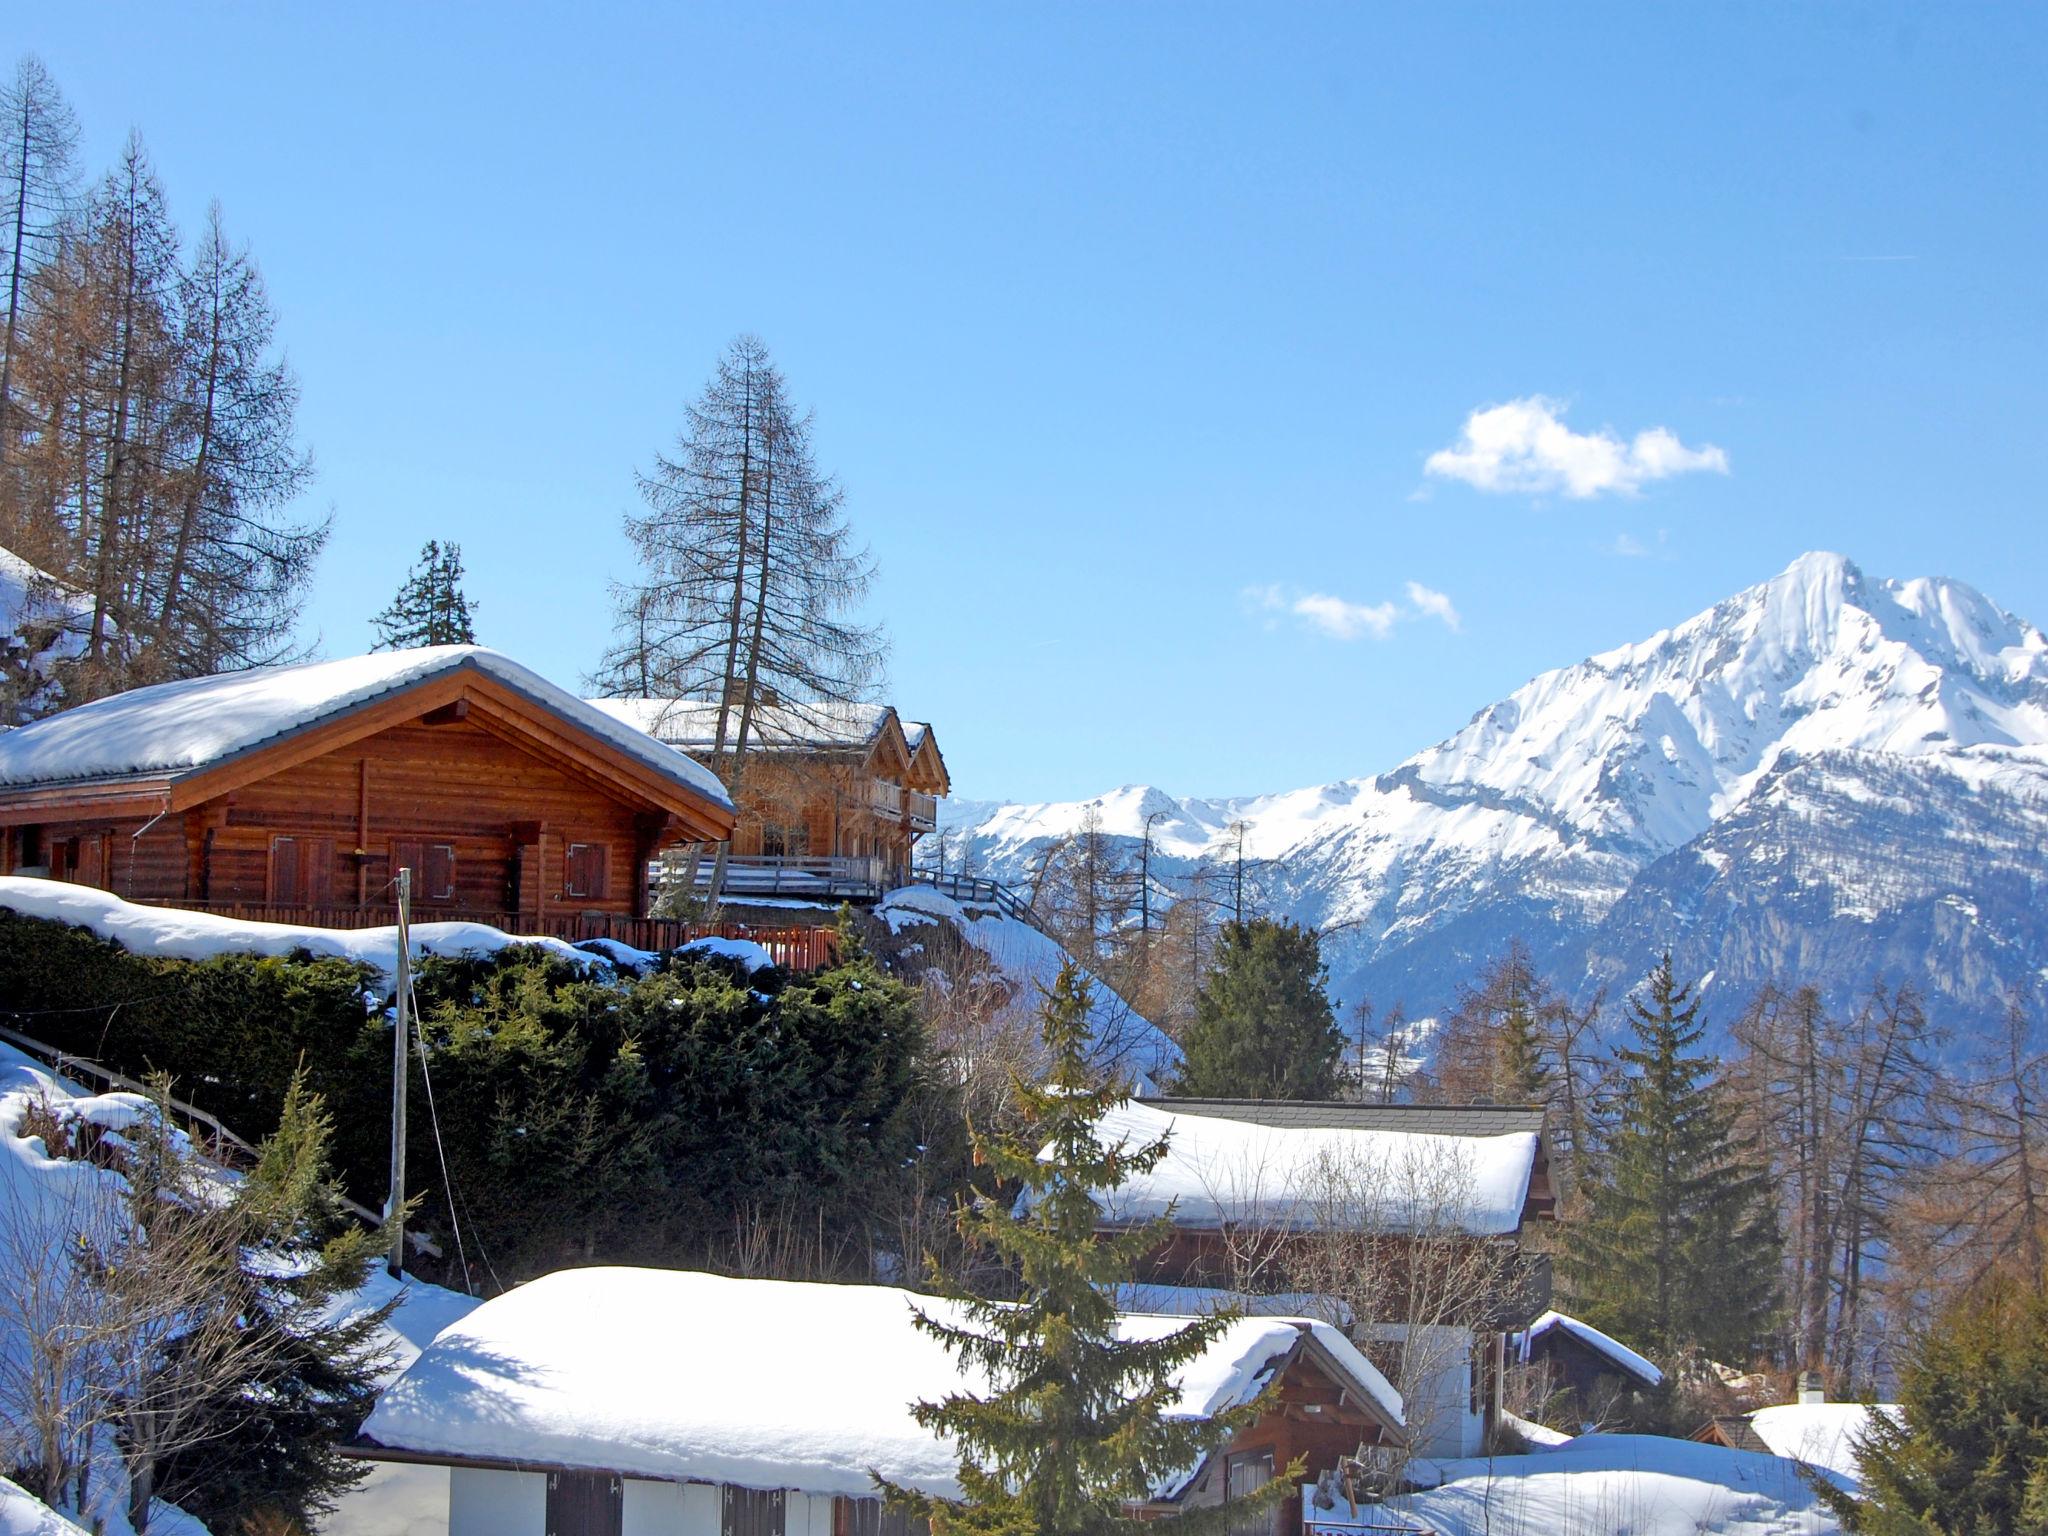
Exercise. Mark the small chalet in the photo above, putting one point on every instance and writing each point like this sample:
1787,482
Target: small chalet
1575,1357
1429,1178
298,792
765,1407
834,796
1810,1430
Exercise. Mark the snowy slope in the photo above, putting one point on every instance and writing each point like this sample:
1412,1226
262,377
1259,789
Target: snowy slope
42,624
1639,797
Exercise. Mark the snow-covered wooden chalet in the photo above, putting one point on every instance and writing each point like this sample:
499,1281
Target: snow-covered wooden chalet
639,1402
1574,1356
1250,1184
296,793
834,798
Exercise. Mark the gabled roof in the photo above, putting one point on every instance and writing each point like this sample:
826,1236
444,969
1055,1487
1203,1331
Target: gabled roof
1600,1343
1223,1171
759,1383
161,738
691,725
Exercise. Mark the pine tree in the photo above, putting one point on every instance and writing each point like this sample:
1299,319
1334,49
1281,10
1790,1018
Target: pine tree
1076,1422
1679,1245
1969,1454
431,607
1263,1026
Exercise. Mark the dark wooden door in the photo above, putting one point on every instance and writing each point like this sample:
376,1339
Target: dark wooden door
586,1504
750,1512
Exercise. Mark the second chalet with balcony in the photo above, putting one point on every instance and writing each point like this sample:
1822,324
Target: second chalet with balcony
833,797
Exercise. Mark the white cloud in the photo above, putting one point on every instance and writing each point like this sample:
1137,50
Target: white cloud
1429,601
1345,621
1342,619
1629,547
1525,447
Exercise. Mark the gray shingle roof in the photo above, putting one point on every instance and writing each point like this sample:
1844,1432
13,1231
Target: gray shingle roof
1427,1119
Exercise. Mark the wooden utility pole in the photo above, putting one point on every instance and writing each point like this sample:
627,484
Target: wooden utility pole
401,1042
1238,899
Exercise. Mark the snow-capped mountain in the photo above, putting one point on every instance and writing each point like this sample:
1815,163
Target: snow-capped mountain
1827,777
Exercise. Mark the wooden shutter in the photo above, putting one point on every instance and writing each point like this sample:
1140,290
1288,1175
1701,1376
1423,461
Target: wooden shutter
588,871
284,888
439,872
432,866
586,1504
92,860
316,870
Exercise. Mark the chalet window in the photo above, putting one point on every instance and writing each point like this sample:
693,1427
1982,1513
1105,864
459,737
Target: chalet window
588,872
585,1504
868,1517
1244,1475
749,1511
780,840
432,866
301,872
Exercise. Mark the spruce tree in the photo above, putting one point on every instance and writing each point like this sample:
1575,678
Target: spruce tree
431,607
1263,1028
1679,1245
1968,1455
267,1448
1077,1421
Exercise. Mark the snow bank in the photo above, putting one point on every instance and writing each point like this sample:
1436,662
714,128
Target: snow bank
1029,960
1590,1336
762,1383
175,934
174,728
1821,1435
23,1514
1220,1172
1597,1485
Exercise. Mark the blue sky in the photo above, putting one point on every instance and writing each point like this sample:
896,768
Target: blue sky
1132,330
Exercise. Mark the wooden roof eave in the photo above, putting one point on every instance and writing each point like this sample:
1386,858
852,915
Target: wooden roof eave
147,795
928,767
1306,1346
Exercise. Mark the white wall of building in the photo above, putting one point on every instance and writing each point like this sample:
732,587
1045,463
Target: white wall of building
482,1503
396,1499
1438,1405
670,1509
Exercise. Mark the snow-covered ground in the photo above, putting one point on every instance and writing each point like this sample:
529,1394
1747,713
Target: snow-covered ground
41,1198
1604,1485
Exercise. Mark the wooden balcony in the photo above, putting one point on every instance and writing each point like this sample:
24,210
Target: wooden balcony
822,879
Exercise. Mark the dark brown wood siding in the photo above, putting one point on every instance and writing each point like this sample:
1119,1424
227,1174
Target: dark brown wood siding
490,824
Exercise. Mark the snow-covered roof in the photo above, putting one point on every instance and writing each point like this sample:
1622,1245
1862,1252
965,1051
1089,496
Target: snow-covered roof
1596,1485
1219,1172
1591,1337
692,724
1822,1435
182,727
760,1383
